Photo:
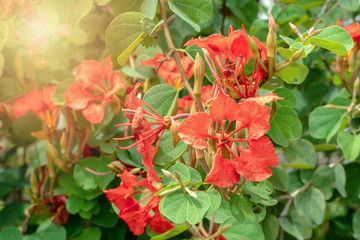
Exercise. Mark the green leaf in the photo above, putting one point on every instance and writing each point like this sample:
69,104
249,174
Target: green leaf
167,153
356,223
87,205
349,144
180,207
296,225
349,5
270,227
4,32
340,179
333,38
87,180
300,154
279,178
37,154
192,11
247,230
10,234
171,233
323,179
285,124
294,73
181,169
312,205
288,40
325,122
74,203
108,148
59,96
289,97
53,232
106,217
215,201
260,193
123,34
242,209
162,98
93,233
147,7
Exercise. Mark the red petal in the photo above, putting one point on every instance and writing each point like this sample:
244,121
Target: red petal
132,101
148,151
89,72
136,220
194,130
255,118
254,162
270,97
94,113
223,172
223,107
241,47
78,98
28,102
159,224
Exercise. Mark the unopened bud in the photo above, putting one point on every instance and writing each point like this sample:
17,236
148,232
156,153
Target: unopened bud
34,182
147,85
315,32
63,145
254,48
296,30
169,175
272,23
271,43
358,59
310,31
199,74
116,166
53,155
351,61
297,55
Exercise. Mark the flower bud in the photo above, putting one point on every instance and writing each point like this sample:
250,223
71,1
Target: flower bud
254,48
271,43
199,74
296,30
34,183
297,55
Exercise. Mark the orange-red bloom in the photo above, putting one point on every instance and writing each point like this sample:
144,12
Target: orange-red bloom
169,71
354,31
229,55
97,85
135,215
40,103
252,163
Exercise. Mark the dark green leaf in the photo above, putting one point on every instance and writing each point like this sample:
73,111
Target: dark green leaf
171,233
323,179
242,209
10,234
53,232
93,233
356,223
74,203
247,230
289,97
215,201
270,227
260,193
162,98
279,178
340,179
296,225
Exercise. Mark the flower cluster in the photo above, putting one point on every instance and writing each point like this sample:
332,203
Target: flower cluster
138,213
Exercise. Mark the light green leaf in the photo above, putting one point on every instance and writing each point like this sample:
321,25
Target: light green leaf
87,180
349,5
53,232
340,179
260,193
356,223
325,122
147,7
180,207
285,124
333,38
349,144
296,225
162,98
289,97
323,179
294,73
279,178
73,205
123,34
312,205
247,230
10,234
192,11
167,153
215,201
181,169
300,154
242,209
171,233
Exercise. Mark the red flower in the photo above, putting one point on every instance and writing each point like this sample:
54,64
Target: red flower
169,71
252,163
40,103
185,103
135,215
354,31
230,55
97,85
142,130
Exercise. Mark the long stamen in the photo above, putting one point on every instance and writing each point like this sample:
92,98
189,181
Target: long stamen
252,79
152,110
256,83
124,138
235,131
229,149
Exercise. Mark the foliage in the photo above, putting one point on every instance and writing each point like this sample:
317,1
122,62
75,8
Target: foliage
196,119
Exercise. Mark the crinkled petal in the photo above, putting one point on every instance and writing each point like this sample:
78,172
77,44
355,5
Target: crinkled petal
132,101
94,112
254,117
194,130
241,47
89,73
223,172
254,162
268,98
159,224
223,107
78,98
148,151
